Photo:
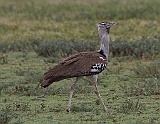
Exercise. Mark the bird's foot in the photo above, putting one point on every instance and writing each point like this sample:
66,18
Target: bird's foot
68,109
107,111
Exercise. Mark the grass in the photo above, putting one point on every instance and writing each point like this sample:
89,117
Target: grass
28,20
130,86
123,90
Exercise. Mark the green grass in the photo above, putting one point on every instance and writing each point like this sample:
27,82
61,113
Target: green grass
127,95
130,86
27,20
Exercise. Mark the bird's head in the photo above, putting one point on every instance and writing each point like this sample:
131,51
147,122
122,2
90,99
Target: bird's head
106,25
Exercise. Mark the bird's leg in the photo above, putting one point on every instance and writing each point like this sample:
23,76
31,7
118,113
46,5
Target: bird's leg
95,77
71,94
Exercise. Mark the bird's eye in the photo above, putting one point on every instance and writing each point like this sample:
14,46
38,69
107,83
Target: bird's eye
103,23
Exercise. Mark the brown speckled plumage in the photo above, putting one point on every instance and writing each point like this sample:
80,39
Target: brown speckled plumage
77,65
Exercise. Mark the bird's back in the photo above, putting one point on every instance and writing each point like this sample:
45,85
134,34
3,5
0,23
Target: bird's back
79,64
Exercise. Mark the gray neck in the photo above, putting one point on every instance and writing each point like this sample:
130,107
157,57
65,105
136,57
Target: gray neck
104,44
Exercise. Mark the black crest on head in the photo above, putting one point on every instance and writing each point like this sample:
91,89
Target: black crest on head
107,24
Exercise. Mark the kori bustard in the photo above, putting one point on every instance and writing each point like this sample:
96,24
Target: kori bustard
83,64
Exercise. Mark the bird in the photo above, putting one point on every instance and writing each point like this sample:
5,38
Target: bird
83,64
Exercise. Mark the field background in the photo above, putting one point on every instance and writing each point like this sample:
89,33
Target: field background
35,35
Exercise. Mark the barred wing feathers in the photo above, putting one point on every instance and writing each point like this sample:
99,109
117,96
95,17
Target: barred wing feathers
80,64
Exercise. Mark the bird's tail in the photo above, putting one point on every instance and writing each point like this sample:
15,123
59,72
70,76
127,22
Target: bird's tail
46,83
49,81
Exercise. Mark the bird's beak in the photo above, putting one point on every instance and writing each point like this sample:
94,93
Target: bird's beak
114,23
97,25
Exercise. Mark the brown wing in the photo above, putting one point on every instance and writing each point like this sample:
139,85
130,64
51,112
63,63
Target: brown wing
80,64
89,64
